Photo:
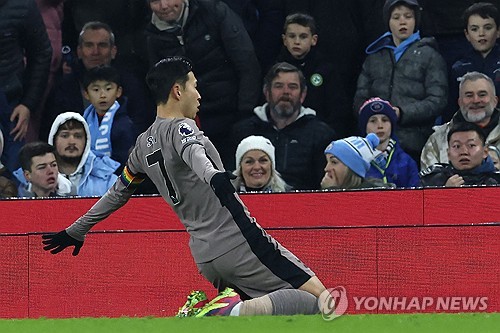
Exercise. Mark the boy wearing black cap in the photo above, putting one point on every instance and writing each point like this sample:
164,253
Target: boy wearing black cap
409,72
393,165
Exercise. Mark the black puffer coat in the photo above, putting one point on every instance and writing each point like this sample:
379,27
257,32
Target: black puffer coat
438,175
224,62
23,35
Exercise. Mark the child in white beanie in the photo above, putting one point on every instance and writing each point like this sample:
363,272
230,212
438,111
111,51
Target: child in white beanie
256,167
348,161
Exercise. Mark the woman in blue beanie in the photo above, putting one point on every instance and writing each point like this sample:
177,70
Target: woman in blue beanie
347,162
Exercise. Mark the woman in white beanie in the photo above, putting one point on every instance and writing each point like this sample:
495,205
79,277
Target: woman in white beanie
348,161
256,167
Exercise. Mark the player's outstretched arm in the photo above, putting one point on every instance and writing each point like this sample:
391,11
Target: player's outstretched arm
75,234
56,242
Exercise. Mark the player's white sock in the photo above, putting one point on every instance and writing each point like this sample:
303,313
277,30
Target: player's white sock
257,306
280,302
293,301
235,311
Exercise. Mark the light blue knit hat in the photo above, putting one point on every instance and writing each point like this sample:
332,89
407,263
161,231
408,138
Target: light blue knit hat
355,152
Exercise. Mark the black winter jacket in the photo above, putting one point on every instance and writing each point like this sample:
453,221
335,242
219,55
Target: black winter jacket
23,35
224,62
299,146
326,93
438,174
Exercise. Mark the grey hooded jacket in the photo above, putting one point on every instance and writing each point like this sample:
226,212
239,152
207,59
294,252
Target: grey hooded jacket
417,84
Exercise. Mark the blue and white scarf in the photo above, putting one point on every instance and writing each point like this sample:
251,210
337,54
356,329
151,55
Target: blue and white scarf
386,41
100,135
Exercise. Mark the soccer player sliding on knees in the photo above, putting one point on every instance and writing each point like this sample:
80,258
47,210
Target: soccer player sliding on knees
225,241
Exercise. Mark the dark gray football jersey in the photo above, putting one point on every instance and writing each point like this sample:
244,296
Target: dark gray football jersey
180,161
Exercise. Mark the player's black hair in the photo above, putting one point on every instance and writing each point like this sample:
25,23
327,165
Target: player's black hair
484,10
32,149
466,126
101,73
165,74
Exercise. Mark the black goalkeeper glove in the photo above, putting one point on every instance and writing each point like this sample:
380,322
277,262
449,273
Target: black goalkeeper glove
221,184
59,241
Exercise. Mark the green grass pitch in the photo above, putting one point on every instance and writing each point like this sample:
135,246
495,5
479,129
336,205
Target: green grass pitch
407,323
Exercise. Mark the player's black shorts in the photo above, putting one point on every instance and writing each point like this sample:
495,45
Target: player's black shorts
253,274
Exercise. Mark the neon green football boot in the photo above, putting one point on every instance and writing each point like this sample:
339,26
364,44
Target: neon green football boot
195,301
221,305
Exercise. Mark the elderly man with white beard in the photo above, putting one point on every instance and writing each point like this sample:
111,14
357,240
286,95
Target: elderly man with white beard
477,100
298,136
